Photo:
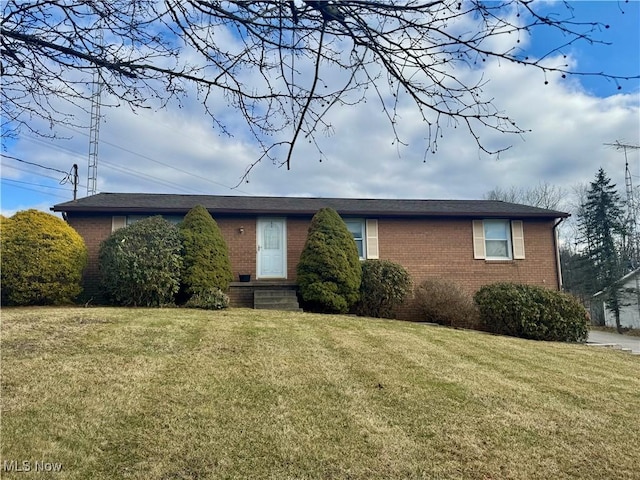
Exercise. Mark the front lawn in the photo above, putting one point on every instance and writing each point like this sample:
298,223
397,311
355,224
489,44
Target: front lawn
186,394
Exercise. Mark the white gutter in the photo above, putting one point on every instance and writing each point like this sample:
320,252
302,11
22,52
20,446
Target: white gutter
557,252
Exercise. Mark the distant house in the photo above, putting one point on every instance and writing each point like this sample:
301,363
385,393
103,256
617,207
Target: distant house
630,303
471,242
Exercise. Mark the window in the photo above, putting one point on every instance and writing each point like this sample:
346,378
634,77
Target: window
498,239
175,219
357,229
121,221
365,234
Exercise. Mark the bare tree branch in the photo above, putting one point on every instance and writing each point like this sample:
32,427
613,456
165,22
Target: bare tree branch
280,63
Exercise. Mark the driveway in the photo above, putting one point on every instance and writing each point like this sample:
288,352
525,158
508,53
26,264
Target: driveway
607,338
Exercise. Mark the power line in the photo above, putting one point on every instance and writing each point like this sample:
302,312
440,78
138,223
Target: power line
148,177
136,173
36,164
3,180
11,180
146,157
13,167
32,173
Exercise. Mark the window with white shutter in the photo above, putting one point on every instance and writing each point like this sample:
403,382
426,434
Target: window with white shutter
498,239
517,236
372,239
365,234
118,222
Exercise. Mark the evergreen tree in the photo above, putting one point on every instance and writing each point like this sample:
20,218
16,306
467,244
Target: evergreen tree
329,271
601,224
206,263
578,274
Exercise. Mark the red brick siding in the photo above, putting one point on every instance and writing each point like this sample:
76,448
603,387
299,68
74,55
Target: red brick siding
242,246
94,229
425,247
444,249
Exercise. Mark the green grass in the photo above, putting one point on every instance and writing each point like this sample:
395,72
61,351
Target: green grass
186,394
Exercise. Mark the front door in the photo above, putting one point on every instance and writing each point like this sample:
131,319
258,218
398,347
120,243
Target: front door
272,248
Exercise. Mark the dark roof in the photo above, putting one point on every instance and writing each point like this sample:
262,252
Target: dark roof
132,203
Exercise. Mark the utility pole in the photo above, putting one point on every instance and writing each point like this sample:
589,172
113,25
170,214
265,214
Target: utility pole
75,181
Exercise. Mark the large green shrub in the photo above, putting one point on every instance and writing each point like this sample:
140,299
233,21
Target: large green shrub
532,312
384,286
140,264
205,255
444,302
42,259
329,271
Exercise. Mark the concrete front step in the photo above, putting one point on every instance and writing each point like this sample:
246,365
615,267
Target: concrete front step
283,299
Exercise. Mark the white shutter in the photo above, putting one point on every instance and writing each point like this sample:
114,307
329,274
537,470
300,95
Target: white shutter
479,248
517,237
118,222
372,238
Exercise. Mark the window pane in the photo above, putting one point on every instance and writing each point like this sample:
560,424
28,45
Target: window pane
271,236
495,230
355,228
497,249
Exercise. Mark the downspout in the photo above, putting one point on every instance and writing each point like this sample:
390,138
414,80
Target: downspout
557,252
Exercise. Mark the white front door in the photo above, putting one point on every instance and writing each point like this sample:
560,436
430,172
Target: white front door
272,248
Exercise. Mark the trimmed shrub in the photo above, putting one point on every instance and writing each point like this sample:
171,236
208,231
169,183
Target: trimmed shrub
140,264
329,271
444,302
384,286
42,259
212,299
532,312
205,255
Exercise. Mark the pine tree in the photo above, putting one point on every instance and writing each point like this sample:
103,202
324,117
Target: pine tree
601,224
578,274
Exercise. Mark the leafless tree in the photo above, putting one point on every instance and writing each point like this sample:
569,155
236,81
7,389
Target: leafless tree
543,195
282,64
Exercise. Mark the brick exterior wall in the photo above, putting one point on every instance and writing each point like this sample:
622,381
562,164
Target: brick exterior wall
427,248
94,229
444,249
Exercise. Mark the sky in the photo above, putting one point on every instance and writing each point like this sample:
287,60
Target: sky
176,150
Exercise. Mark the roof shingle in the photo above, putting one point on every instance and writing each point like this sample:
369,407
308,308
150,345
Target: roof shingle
132,203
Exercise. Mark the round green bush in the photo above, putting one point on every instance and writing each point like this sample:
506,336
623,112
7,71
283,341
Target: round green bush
42,259
205,255
532,312
384,286
329,271
140,264
444,302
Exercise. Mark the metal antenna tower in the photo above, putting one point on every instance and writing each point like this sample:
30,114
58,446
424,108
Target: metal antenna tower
634,241
94,132
632,206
